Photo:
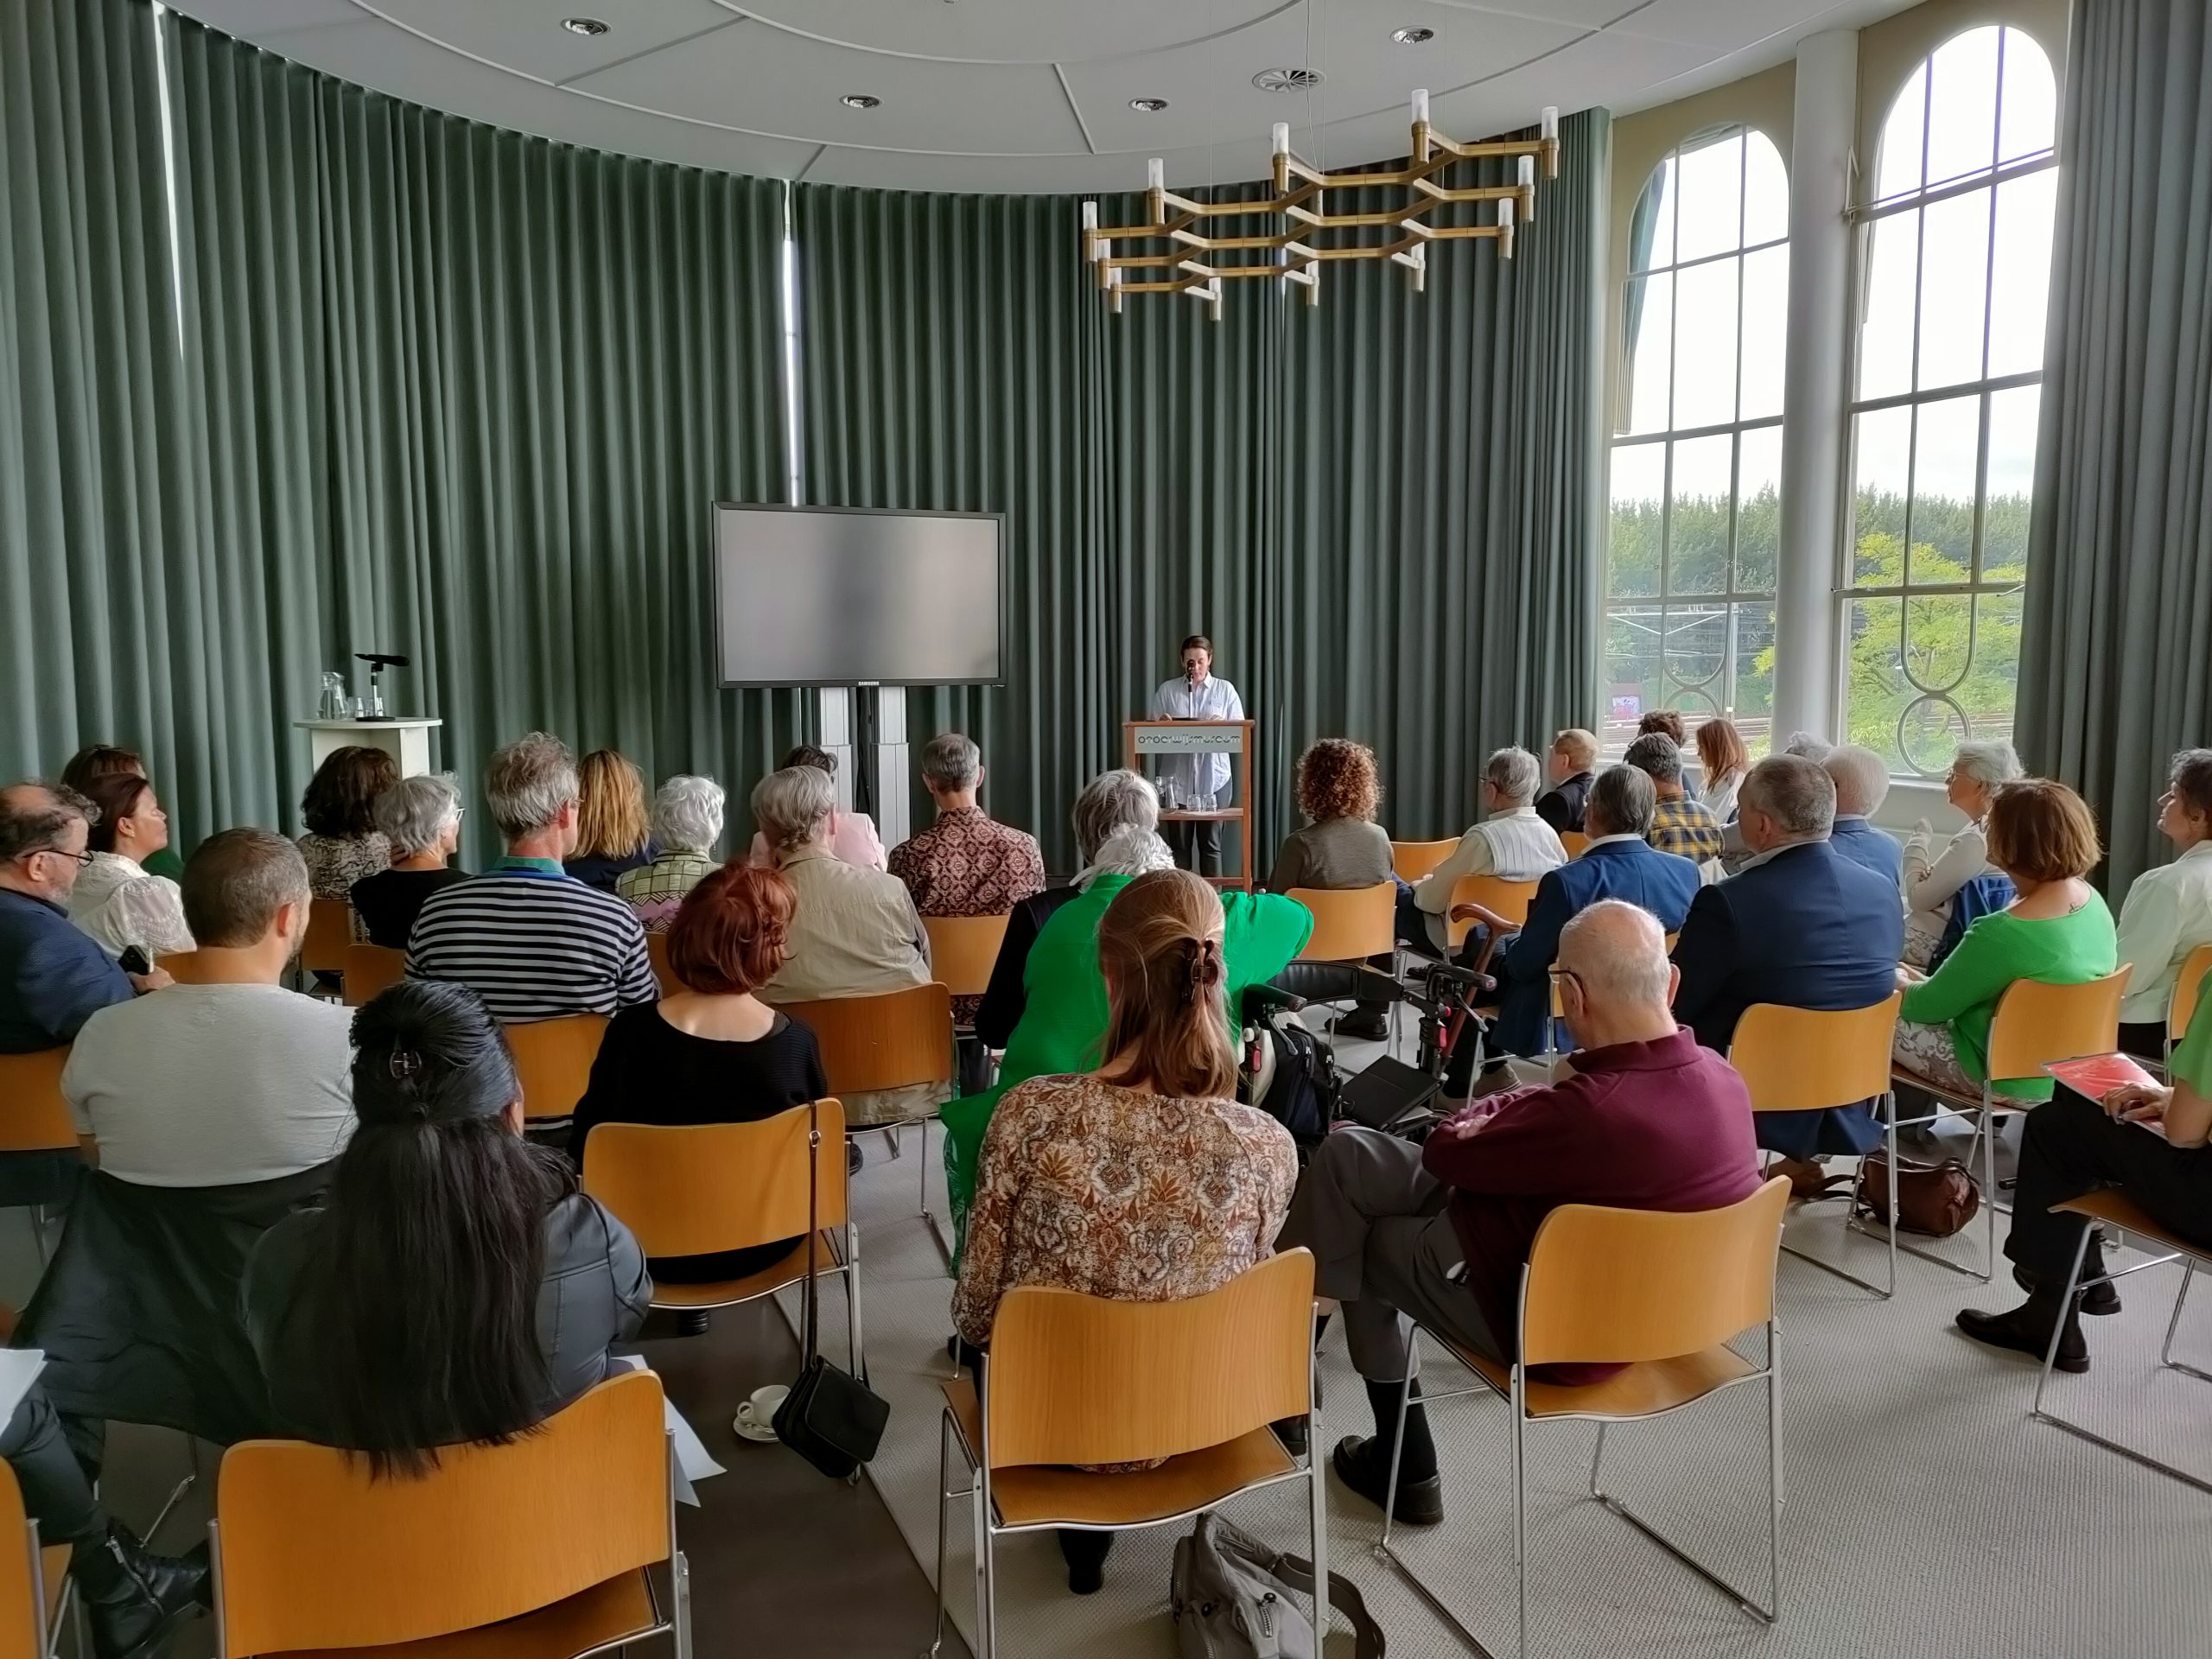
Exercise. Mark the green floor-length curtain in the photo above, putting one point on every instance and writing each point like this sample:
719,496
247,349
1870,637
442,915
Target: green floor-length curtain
2113,659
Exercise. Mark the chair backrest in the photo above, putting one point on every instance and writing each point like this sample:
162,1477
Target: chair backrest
33,1117
330,929
1412,859
553,1059
1608,1286
23,1604
2187,987
1808,1059
2037,1023
1081,1379
314,1554
693,1189
656,953
1574,841
1350,925
1511,899
884,1041
964,949
371,970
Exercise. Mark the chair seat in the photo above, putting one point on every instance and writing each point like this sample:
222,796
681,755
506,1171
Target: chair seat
1046,1495
2111,1204
1643,1390
722,1292
2000,1105
617,1611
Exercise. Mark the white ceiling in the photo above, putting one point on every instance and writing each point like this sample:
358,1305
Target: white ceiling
1017,95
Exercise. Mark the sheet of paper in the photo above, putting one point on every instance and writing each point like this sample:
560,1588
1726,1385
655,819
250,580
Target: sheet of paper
19,1369
693,1461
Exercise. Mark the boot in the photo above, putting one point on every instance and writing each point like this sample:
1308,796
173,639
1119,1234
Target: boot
2027,1330
133,1600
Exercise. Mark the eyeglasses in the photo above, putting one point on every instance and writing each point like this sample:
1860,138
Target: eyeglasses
56,852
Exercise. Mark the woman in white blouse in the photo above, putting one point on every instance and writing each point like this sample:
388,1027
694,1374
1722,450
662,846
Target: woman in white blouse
1931,877
1722,761
2169,909
115,900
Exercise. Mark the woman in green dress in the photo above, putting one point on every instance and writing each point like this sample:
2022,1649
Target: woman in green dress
1062,1019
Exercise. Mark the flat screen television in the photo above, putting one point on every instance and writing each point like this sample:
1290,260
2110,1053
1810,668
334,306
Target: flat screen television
848,596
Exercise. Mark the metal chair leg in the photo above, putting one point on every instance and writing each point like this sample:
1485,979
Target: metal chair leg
1319,1484
944,1496
2166,1351
1521,1506
858,1354
1397,1441
987,1615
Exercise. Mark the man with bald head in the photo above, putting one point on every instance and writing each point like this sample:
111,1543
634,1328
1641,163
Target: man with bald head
1646,1119
54,975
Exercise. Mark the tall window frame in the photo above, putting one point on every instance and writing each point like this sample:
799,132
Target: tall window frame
1693,532
1930,639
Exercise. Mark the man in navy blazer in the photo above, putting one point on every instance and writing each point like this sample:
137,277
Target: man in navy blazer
54,975
1800,925
1618,863
1862,784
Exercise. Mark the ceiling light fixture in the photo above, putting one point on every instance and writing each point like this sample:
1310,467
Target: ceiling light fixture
860,100
1413,36
1288,80
1297,251
1148,105
586,27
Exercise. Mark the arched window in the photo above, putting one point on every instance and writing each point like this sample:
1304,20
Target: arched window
1697,454
1954,269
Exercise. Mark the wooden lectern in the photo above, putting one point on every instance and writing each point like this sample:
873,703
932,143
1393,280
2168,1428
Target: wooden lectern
1162,738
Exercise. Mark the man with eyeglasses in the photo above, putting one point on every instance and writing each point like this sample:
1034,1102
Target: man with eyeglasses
54,975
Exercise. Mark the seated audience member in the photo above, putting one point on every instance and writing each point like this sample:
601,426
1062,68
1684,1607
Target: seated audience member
2072,1145
1573,761
854,932
97,760
1679,825
1065,1005
612,832
1340,846
53,976
1722,761
1648,1120
1140,1179
2168,911
1666,722
1800,925
133,1598
852,837
687,822
343,843
1511,841
456,1288
420,819
966,863
1862,784
231,1078
712,1053
1931,877
1620,862
1807,746
533,943
2057,930
115,900
1811,745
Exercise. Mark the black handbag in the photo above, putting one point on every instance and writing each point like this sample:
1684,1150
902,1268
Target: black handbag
830,1418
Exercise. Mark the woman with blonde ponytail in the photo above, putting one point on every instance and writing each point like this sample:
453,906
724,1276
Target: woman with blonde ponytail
1142,1179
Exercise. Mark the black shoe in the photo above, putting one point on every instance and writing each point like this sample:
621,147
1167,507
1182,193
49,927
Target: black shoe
134,1600
2026,1330
1291,1430
693,1322
2097,1300
1363,1025
1363,1465
853,1158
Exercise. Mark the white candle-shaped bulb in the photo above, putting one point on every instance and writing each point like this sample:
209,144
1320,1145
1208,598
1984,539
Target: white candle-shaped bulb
1527,172
1113,275
1280,138
1420,105
1550,125
1090,215
1505,215
1155,175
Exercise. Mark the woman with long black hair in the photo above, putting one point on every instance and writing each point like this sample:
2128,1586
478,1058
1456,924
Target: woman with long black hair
456,1288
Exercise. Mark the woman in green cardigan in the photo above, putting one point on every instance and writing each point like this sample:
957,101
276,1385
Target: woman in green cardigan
1064,1004
2057,930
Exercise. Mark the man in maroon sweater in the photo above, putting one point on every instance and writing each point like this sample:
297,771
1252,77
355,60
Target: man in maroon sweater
1648,1120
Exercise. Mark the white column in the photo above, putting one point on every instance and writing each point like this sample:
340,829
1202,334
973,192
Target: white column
893,798
1813,433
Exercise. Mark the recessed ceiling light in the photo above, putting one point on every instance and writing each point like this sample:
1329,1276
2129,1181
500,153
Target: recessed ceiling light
584,26
1287,81
1413,36
860,100
1149,106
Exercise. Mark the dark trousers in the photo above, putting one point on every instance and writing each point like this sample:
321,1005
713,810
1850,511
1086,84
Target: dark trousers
2145,1039
2070,1147
56,1494
1195,843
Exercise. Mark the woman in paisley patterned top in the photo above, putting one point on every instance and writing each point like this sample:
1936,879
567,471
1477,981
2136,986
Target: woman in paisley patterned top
1143,1181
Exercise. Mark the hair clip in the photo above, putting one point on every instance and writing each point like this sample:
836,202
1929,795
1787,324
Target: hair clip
404,1063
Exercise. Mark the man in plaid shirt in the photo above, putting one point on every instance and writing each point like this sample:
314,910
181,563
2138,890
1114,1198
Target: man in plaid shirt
1679,825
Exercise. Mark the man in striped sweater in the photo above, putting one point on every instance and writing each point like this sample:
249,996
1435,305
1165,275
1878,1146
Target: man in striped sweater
533,942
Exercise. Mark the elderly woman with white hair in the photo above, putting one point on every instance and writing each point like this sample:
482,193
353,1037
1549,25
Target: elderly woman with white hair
1060,1015
421,817
687,822
1932,878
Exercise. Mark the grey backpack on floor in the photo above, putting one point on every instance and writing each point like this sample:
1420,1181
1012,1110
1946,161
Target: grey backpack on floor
1232,1597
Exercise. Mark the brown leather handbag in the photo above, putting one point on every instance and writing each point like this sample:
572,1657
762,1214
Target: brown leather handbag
1936,1200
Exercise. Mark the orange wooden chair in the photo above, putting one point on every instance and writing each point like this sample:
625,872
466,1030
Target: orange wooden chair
1351,924
34,1578
330,929
1488,898
1574,841
964,949
1412,859
553,1061
1663,1293
539,1549
371,970
656,953
2188,986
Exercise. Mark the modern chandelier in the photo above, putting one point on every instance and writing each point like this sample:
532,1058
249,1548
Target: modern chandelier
1309,236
